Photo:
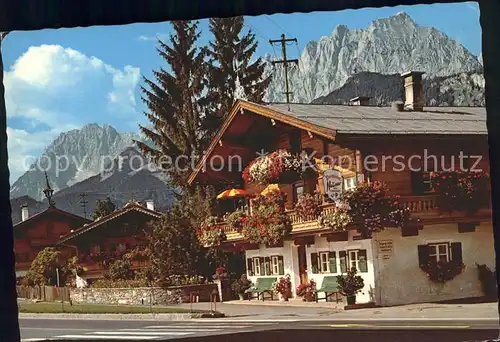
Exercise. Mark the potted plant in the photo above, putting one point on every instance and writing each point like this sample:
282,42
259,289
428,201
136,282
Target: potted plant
241,285
306,291
271,168
350,285
283,287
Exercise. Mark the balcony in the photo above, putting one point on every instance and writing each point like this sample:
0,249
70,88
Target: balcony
421,207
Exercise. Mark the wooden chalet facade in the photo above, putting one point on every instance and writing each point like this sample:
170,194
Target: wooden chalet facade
369,143
108,238
33,234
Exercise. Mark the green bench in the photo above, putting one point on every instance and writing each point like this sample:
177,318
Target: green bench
330,287
262,285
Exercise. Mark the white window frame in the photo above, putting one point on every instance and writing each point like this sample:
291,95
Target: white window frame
435,254
121,247
353,262
275,266
350,183
426,179
324,265
256,266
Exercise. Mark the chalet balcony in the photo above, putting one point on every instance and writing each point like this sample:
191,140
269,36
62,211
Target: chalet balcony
421,207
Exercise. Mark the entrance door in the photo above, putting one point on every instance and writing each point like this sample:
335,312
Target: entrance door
301,251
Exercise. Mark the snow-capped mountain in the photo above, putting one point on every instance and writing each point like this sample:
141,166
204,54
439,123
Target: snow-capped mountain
72,157
388,46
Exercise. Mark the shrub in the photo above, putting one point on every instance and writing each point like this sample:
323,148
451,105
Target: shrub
350,284
337,220
308,206
283,286
241,285
442,271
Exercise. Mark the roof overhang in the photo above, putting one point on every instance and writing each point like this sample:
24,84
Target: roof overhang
240,107
51,211
126,209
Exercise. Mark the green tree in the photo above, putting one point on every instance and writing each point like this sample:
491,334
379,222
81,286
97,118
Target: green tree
120,270
103,208
43,268
176,104
231,58
174,246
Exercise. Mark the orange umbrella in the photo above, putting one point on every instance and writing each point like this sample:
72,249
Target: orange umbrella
231,193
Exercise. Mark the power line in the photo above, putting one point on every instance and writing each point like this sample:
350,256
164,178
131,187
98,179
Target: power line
285,61
278,26
83,203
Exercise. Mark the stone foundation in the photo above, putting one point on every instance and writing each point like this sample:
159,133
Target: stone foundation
143,295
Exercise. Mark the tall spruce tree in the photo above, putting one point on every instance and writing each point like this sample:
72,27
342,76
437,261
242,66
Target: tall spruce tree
175,104
230,55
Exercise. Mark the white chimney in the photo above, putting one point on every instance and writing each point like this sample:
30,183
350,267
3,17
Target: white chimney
24,212
150,204
414,98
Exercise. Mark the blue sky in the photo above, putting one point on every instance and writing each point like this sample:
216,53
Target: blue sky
57,80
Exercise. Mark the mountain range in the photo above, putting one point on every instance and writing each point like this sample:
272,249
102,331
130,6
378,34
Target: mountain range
387,46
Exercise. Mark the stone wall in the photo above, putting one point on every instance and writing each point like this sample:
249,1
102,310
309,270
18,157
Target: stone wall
142,295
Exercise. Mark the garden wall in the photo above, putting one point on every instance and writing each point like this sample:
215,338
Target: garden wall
142,295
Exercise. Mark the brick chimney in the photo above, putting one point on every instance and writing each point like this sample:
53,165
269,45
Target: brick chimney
150,204
24,212
414,99
360,101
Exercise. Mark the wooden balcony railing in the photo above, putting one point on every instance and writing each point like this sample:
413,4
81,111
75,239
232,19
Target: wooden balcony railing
419,204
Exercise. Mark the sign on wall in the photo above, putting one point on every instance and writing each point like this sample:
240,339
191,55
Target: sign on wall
333,183
385,249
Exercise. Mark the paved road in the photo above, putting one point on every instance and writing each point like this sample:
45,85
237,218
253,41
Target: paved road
241,329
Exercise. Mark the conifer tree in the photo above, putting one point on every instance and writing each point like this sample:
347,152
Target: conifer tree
175,104
230,57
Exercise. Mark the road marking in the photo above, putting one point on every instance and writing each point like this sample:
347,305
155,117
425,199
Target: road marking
108,337
187,330
417,326
153,333
195,326
216,320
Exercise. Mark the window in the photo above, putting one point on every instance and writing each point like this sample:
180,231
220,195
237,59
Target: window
357,259
421,182
122,247
275,265
323,262
256,266
298,191
295,141
439,252
349,183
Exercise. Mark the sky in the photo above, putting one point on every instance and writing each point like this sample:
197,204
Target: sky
58,80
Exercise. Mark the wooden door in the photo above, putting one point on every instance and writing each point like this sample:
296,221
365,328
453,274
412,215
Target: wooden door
302,264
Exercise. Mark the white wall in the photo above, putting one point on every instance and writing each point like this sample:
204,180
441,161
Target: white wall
400,279
290,261
322,245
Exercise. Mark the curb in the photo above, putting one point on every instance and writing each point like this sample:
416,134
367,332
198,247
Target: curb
145,317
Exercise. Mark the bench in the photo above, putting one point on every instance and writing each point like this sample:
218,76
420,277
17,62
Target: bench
330,287
262,285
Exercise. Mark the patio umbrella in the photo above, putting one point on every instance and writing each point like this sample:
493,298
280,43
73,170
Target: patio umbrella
270,188
231,193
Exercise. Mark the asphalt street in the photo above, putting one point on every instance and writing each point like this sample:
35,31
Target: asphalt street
263,330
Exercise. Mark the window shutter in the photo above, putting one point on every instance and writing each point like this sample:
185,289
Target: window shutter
267,265
423,255
362,262
281,265
332,261
417,182
343,261
249,267
456,252
314,263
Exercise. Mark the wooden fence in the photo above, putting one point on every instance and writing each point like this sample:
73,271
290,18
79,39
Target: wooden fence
43,293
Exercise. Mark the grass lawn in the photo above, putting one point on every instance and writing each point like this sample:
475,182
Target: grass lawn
51,307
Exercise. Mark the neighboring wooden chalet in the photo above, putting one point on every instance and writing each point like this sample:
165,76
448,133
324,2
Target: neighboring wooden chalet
369,143
34,233
108,238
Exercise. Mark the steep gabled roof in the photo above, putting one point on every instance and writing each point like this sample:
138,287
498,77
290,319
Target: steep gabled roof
129,207
50,210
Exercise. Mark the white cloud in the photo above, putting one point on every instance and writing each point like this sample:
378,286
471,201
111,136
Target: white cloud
161,36
59,89
146,38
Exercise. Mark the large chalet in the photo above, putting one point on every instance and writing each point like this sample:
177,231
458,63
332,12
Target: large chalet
390,260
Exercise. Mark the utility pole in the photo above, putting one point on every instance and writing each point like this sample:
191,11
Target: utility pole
285,61
84,203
